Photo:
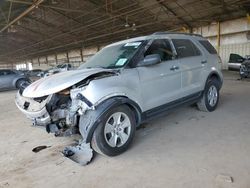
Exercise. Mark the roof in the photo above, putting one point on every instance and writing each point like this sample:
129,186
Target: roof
157,35
32,28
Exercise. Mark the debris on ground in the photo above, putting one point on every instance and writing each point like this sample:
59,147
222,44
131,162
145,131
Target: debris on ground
225,178
81,153
39,148
142,126
58,163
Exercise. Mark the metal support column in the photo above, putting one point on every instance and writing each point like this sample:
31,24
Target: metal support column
81,55
218,37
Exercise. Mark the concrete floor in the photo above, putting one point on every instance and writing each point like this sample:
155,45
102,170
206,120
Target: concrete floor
186,148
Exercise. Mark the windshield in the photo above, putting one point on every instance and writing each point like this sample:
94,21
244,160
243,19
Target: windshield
115,56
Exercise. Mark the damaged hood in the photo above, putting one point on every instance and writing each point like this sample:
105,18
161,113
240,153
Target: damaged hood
58,82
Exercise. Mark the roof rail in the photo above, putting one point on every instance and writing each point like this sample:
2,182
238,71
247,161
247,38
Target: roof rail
165,33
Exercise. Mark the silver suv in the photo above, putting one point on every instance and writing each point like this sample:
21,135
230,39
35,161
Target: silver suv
123,85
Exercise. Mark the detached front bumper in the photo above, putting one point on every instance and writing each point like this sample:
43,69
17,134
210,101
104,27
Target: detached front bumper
34,110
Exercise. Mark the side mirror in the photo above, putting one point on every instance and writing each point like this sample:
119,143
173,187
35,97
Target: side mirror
149,60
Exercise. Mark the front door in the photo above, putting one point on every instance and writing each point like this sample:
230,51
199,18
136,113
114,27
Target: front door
160,83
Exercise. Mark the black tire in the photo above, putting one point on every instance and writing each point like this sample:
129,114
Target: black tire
20,82
204,104
99,140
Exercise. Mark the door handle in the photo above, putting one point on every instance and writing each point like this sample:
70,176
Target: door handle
204,61
173,68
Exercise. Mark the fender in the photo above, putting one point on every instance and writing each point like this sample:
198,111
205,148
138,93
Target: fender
217,76
89,121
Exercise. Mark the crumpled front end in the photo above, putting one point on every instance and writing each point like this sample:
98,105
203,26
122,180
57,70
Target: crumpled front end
58,113
65,104
34,109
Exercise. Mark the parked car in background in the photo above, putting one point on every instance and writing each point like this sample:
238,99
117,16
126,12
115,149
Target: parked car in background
33,73
245,68
57,69
23,71
12,79
123,85
235,61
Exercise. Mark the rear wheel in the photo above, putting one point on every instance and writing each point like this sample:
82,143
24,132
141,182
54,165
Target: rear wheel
115,132
210,98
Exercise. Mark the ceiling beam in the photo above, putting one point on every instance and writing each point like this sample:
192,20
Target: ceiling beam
3,15
50,6
66,16
166,8
34,5
9,13
90,38
104,41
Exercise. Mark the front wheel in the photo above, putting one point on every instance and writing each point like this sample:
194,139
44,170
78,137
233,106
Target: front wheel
115,132
210,98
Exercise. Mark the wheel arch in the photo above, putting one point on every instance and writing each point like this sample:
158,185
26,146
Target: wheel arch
94,117
215,75
14,83
18,79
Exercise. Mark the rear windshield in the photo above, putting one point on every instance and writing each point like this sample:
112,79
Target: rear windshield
208,46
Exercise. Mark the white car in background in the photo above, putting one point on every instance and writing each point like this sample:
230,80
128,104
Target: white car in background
56,69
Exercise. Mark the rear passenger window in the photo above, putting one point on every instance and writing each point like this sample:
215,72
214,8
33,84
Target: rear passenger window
185,48
208,46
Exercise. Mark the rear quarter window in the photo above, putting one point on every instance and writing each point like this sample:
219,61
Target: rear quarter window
208,46
185,48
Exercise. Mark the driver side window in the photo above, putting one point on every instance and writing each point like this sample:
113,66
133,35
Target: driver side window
161,47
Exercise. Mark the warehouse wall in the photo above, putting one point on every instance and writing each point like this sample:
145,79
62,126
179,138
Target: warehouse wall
234,37
74,57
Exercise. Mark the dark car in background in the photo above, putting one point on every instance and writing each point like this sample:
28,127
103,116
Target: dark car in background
12,79
245,68
235,61
33,73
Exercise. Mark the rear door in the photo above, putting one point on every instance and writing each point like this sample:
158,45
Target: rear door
160,83
192,63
